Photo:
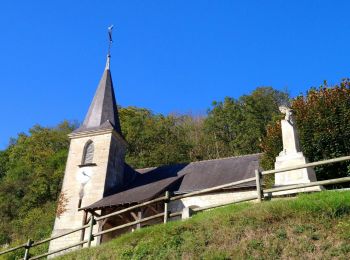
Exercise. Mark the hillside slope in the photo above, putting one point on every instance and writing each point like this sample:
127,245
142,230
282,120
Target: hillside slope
314,226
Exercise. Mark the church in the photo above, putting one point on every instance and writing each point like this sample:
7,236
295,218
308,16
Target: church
98,181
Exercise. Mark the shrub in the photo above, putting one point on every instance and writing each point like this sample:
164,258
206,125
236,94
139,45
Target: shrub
322,118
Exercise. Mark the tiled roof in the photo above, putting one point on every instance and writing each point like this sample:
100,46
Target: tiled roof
182,178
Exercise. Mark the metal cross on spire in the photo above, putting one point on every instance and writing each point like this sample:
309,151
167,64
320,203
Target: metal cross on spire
110,28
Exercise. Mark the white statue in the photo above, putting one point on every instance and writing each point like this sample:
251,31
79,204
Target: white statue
288,112
289,133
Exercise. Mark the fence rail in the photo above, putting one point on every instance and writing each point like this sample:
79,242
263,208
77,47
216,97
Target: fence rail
167,198
129,224
59,250
13,249
307,165
61,235
131,208
311,184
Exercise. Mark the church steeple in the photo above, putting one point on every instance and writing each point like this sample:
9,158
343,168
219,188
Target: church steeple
96,160
103,108
103,111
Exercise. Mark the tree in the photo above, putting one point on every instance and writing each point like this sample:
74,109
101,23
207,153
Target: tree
153,139
32,172
235,127
3,163
198,143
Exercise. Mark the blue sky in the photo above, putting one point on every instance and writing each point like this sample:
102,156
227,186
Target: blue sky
168,56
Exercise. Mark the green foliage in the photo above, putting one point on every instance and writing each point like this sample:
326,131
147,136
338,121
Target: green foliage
153,139
37,224
4,158
237,126
31,175
322,118
311,226
232,127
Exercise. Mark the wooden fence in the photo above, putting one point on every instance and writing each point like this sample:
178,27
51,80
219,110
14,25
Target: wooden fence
167,198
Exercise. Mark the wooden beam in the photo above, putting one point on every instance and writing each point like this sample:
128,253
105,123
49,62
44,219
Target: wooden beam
137,217
124,218
134,215
129,217
101,223
94,213
132,207
152,209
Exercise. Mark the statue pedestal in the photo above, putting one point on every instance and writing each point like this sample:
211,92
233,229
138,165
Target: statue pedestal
305,175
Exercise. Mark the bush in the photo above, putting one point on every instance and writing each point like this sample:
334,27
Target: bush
322,118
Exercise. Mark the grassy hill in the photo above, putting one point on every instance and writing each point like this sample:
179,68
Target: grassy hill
314,226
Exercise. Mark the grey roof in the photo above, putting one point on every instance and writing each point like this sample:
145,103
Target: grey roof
103,107
182,178
144,187
207,174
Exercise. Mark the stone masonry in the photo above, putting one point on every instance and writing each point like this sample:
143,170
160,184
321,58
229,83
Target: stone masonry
93,190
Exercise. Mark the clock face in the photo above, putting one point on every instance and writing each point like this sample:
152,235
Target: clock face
84,175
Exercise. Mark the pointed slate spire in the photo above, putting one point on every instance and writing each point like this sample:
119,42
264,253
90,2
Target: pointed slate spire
103,111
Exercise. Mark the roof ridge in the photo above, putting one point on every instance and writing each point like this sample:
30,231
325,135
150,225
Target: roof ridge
208,160
225,158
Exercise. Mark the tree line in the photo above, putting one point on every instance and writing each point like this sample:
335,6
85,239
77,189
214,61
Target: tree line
231,127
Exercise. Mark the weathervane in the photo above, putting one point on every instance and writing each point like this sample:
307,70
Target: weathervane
110,28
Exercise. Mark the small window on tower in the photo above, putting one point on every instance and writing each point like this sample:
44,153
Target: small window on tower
88,154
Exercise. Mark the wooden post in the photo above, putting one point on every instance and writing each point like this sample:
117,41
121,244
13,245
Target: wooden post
166,207
82,235
27,247
92,223
139,217
258,178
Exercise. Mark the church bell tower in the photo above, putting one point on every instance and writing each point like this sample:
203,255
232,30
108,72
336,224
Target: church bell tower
95,163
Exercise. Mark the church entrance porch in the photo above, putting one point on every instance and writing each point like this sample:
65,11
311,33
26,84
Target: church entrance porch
124,222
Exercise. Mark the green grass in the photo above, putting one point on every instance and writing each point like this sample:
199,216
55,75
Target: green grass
314,226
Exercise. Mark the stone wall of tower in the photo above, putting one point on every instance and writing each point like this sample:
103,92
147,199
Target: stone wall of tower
92,192
115,170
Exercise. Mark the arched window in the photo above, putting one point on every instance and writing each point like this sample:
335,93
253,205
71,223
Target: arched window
88,154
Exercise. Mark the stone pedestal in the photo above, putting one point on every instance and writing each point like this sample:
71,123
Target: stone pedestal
186,213
305,175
